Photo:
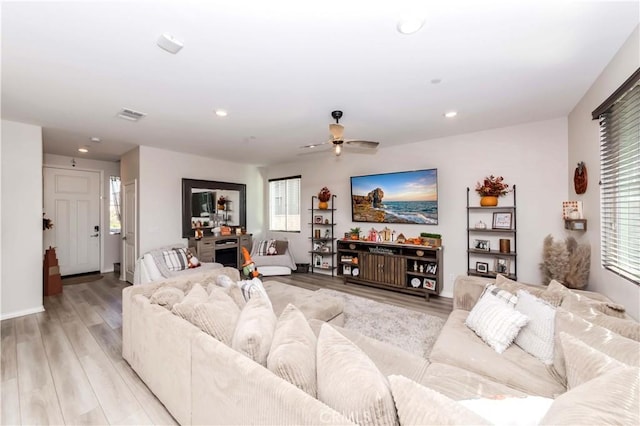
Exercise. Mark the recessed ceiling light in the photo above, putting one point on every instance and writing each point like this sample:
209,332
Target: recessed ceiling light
96,139
410,25
83,150
450,114
221,113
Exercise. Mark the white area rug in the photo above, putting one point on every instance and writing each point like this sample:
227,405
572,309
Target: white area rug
412,331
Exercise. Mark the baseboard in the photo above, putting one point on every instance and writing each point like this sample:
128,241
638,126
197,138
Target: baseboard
106,271
22,313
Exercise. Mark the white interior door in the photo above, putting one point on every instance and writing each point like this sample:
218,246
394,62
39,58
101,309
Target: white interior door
129,226
72,201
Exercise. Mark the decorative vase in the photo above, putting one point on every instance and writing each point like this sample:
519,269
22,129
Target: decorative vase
323,205
488,201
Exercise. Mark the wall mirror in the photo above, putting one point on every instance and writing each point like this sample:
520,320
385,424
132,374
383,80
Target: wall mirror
207,204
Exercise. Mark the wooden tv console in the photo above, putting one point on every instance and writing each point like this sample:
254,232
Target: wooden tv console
404,268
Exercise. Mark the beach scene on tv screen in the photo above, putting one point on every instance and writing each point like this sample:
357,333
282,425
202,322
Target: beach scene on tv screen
402,197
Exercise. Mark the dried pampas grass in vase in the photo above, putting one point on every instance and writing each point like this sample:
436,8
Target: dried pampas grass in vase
565,261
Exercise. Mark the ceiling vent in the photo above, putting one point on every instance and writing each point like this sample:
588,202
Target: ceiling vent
131,115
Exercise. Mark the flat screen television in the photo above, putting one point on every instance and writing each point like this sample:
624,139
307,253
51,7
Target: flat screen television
398,197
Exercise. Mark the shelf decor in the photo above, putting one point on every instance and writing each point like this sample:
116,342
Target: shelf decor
323,198
490,189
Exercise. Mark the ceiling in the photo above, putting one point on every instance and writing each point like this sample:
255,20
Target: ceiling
280,67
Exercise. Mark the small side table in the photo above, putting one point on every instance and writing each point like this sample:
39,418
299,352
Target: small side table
51,273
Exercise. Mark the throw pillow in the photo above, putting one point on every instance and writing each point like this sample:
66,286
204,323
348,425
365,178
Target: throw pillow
167,297
281,246
185,309
553,297
503,295
267,247
604,340
175,259
583,362
350,383
233,292
218,315
512,411
254,331
583,304
293,351
536,338
495,322
419,405
152,269
224,281
253,288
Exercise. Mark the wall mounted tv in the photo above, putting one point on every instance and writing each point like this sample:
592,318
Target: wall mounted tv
399,197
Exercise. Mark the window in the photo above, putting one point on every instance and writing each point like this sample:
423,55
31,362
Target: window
620,182
115,223
284,204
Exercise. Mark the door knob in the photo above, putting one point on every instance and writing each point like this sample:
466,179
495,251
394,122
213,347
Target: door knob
94,235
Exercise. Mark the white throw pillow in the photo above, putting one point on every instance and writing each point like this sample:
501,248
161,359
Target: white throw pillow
167,297
536,338
293,350
350,383
254,331
253,288
186,308
224,281
495,322
152,269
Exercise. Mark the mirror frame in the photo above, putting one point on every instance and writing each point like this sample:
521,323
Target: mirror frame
189,184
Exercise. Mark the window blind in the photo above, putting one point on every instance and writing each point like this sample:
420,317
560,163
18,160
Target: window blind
284,204
620,185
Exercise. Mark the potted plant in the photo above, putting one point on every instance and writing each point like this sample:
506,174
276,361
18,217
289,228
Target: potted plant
221,202
490,189
323,197
355,233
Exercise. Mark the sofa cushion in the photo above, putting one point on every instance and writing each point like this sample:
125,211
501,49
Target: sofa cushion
233,291
350,383
185,309
293,350
167,297
418,405
254,331
459,346
217,316
610,397
512,411
507,297
551,296
495,321
310,303
604,340
176,259
151,267
587,304
536,337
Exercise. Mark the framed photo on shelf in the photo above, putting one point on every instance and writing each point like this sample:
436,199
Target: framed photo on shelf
502,265
482,267
484,245
346,269
431,268
317,261
429,284
502,220
318,219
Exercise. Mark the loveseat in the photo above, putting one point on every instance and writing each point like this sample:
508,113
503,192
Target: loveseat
202,380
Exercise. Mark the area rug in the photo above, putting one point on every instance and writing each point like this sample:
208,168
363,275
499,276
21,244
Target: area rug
412,331
79,279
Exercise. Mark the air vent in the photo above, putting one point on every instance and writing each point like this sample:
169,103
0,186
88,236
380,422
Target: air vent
131,115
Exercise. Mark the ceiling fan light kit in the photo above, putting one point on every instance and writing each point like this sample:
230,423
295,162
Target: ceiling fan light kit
336,130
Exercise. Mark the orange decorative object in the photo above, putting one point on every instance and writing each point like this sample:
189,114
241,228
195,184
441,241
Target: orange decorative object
488,201
248,267
323,205
52,279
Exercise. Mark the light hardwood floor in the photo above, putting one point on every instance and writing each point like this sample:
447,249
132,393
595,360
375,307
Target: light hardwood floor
65,366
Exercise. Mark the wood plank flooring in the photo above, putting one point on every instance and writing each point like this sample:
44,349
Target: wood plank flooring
65,366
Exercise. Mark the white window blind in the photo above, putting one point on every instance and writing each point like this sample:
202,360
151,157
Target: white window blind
284,204
620,185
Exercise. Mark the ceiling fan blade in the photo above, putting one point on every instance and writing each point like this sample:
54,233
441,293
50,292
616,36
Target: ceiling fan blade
363,144
314,145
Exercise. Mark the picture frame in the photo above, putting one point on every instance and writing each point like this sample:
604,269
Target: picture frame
502,265
318,219
317,261
482,245
346,269
431,268
502,220
482,267
429,284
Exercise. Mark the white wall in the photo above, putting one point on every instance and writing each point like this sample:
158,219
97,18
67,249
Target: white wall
22,257
110,244
584,145
533,156
160,192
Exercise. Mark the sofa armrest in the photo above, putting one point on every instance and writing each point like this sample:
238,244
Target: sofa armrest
467,291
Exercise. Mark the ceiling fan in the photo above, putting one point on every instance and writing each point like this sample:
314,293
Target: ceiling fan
338,142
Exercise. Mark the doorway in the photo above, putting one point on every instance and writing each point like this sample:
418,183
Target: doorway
72,202
129,229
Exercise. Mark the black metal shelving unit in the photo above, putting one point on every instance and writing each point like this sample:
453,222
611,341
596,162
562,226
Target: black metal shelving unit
489,232
324,244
